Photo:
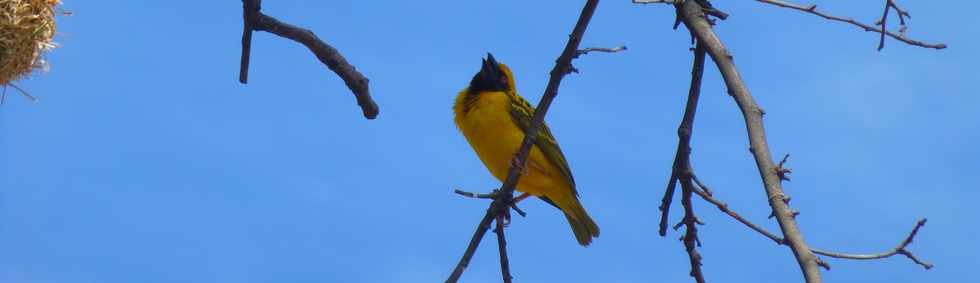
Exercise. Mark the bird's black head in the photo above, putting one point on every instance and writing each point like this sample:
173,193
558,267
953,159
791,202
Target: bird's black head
493,76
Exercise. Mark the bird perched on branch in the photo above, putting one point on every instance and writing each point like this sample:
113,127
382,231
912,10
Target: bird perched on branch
493,118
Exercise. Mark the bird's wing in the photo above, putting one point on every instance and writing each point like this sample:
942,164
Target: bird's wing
521,111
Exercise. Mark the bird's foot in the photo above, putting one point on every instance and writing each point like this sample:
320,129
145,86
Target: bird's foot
509,202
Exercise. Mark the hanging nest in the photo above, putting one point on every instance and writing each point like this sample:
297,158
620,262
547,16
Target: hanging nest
26,30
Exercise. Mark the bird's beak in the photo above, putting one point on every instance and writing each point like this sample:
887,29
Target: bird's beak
491,60
490,68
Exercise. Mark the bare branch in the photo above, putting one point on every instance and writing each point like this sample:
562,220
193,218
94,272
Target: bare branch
255,20
684,170
690,239
900,249
667,199
812,9
474,195
693,17
505,196
724,208
502,249
883,22
600,49
681,166
481,229
22,91
587,50
655,1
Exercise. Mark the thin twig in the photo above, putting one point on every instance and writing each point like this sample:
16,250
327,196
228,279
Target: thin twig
502,249
683,172
883,22
474,195
600,49
655,1
481,229
250,10
501,204
812,9
587,50
684,131
781,169
900,249
24,92
691,240
255,20
667,199
724,208
693,17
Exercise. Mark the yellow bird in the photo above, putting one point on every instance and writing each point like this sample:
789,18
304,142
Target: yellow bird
493,119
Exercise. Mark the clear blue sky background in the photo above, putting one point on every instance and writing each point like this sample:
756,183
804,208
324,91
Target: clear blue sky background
146,161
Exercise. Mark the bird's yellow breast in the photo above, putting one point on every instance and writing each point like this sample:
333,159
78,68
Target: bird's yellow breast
487,124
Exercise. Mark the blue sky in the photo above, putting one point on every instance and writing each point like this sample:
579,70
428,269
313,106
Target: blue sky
146,161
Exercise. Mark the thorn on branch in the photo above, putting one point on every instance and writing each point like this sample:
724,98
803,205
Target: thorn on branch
782,171
822,263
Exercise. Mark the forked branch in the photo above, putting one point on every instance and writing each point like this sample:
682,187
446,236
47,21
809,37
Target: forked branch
255,20
883,30
692,14
901,248
693,17
683,172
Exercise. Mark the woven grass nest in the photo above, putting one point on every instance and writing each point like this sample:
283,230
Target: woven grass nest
26,30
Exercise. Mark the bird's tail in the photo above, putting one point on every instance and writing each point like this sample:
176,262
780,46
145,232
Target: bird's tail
582,225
